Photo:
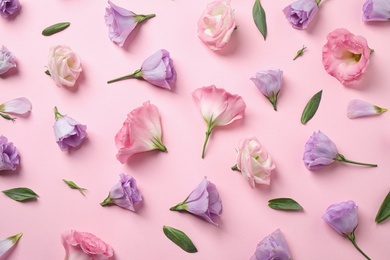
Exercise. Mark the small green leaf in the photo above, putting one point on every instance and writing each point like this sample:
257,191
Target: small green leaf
73,185
180,239
55,28
259,18
384,210
20,194
8,117
311,108
284,204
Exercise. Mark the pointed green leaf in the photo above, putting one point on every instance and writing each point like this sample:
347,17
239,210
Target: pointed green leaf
259,18
180,239
55,28
73,185
384,210
20,194
311,108
284,204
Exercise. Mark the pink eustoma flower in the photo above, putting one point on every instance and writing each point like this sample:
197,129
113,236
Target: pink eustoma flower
360,108
7,60
301,13
273,246
346,56
140,132
203,202
7,244
218,108
376,10
17,106
122,22
157,69
85,246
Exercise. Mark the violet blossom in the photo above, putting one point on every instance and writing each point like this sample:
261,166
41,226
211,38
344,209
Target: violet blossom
9,156
7,60
360,108
273,246
376,10
9,7
269,82
301,13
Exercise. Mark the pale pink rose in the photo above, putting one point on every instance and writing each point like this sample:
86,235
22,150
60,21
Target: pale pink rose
64,66
216,24
85,246
140,132
360,108
346,56
254,162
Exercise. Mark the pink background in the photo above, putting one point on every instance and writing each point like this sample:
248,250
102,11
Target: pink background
167,178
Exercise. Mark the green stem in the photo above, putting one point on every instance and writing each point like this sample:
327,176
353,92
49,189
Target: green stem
351,238
142,17
341,158
137,75
159,145
57,114
235,168
206,140
106,201
179,207
318,2
299,52
5,116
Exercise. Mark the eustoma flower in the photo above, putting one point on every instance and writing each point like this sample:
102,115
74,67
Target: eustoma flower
346,56
218,108
273,246
157,69
121,22
7,60
124,193
376,10
216,24
9,156
321,151
85,246
140,132
203,202
64,66
9,7
360,108
68,132
7,244
343,217
18,106
269,82
301,13
253,162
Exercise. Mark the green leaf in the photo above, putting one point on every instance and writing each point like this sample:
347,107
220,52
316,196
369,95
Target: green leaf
384,210
259,18
311,108
20,194
284,204
73,185
55,28
180,239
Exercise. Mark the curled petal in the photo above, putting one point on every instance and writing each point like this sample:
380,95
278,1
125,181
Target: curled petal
19,106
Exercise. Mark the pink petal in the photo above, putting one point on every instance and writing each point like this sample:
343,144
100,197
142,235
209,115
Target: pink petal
359,108
18,106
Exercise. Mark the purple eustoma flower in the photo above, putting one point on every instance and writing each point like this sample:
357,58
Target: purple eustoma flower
204,202
157,69
360,108
273,246
301,13
121,22
124,193
376,10
9,7
7,60
68,132
269,82
9,156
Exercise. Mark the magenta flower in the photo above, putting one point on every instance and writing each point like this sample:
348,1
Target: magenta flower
124,193
157,69
301,13
269,82
7,244
68,132
17,106
85,246
343,217
359,108
203,202
9,7
7,60
321,151
346,56
376,10
9,156
273,246
140,132
218,108
121,22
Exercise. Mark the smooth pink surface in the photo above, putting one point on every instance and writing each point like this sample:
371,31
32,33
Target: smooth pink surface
165,178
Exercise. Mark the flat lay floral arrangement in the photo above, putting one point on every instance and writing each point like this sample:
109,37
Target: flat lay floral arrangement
205,129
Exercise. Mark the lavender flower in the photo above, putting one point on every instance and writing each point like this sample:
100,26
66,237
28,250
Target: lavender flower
125,193
204,202
7,60
273,246
121,22
269,83
376,10
9,7
68,132
301,13
9,156
359,108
